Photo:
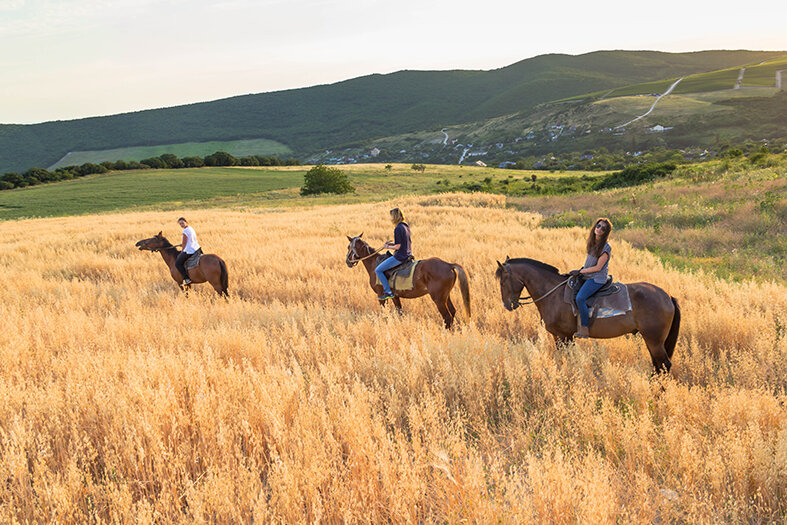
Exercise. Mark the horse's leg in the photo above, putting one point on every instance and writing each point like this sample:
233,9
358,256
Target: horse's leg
397,303
658,354
440,300
451,307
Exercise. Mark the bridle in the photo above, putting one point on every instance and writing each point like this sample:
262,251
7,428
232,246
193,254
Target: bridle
517,298
354,253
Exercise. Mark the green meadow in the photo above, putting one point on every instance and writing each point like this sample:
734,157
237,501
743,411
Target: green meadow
237,148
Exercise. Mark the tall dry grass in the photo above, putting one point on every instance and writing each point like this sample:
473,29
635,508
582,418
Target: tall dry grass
301,400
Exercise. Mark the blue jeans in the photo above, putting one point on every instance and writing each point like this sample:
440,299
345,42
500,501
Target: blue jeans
587,290
385,266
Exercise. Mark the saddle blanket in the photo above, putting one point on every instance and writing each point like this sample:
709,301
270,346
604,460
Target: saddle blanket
401,278
611,305
193,261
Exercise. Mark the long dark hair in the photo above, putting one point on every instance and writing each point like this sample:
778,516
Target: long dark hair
594,247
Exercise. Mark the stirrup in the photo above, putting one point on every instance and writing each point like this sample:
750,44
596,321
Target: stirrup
186,282
385,296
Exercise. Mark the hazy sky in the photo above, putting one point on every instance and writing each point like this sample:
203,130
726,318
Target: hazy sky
75,58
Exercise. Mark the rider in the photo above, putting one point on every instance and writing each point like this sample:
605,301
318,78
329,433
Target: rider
188,247
594,270
403,251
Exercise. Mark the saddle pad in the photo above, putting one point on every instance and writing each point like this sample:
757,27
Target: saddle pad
614,304
193,261
402,278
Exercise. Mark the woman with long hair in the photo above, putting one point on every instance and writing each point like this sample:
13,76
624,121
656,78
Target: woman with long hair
594,271
403,250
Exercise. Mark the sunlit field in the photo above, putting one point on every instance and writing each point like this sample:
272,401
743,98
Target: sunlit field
301,400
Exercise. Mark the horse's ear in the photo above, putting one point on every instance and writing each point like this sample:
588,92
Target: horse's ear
361,235
508,258
498,263
349,238
159,234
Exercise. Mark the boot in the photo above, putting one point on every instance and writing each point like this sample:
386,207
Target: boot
582,331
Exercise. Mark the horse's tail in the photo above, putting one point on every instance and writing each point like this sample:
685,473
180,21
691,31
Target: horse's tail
464,285
225,277
672,337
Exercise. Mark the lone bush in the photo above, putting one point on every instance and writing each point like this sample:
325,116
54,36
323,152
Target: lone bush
323,179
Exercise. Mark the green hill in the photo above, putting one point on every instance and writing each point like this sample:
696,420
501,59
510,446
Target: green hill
310,119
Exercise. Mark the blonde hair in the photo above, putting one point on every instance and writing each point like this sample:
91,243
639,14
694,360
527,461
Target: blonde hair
397,216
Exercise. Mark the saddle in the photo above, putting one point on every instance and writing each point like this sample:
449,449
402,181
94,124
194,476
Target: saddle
611,300
400,277
193,261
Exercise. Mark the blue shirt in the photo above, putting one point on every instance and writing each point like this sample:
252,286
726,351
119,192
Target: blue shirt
600,276
402,238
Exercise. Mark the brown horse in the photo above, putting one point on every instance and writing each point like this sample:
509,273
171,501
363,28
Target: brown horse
431,276
654,313
211,268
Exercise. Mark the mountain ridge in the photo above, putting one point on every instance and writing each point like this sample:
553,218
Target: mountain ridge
352,110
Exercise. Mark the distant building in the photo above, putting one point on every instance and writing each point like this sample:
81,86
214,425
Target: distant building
374,152
658,128
506,164
480,163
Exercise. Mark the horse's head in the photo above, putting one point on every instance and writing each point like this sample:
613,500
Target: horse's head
356,250
510,285
153,244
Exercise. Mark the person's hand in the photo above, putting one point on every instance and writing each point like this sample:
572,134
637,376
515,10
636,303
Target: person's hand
574,273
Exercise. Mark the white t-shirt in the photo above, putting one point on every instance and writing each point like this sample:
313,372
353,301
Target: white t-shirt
191,240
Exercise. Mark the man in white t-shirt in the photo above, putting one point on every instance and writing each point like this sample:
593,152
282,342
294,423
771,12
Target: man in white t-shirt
188,247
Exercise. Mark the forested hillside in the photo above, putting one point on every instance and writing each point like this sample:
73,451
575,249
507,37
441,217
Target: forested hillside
327,116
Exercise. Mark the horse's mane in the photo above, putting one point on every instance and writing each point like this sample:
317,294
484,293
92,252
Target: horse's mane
169,243
531,262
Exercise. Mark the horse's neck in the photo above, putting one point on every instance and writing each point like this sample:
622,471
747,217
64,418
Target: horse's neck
538,281
169,255
368,263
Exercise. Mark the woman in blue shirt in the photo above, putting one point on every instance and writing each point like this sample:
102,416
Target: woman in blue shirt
403,247
595,270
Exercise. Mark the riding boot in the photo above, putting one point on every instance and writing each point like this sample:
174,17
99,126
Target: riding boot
582,331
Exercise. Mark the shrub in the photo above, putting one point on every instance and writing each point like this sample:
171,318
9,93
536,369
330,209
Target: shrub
193,162
323,179
171,161
154,163
5,185
418,167
634,175
220,158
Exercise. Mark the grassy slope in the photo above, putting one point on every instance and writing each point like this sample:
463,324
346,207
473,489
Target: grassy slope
728,217
123,190
238,148
359,109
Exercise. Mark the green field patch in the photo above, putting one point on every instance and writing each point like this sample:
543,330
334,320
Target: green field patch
131,189
764,75
237,148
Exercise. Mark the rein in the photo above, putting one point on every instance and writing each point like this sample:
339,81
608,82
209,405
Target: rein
515,301
378,250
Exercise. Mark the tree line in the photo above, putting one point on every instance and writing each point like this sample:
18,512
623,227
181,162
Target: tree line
36,176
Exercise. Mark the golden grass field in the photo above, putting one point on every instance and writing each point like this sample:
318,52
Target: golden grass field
300,400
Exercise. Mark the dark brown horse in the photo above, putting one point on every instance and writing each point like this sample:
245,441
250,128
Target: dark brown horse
431,276
654,313
211,268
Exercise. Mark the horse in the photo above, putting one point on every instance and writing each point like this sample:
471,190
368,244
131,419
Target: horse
654,313
211,268
432,276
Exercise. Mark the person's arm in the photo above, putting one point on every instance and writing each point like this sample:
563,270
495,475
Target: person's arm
183,242
397,242
601,262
